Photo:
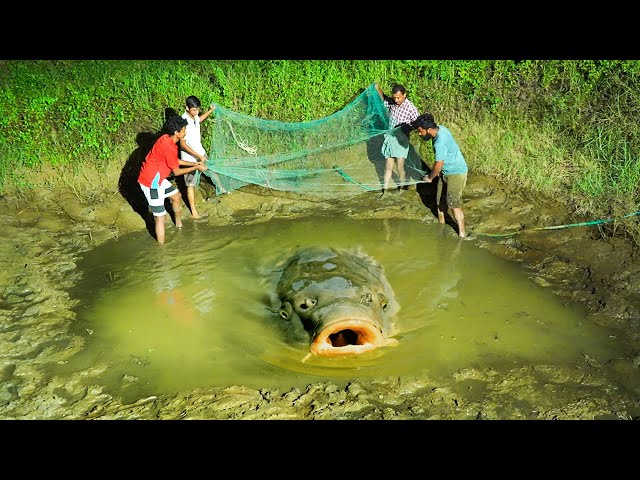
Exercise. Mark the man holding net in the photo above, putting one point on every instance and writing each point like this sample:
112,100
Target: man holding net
191,149
161,161
395,147
450,168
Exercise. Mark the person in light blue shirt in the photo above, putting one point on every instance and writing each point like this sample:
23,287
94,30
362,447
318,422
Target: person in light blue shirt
450,166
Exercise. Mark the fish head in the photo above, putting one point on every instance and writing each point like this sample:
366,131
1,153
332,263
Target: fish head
341,299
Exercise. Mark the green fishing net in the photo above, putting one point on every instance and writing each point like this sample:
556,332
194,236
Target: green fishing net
337,154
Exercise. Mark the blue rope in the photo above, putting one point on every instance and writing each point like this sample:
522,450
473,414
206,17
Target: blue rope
557,227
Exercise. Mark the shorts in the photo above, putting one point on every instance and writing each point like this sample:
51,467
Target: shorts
395,145
156,196
190,179
453,186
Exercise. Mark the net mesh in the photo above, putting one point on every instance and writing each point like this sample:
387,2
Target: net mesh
340,153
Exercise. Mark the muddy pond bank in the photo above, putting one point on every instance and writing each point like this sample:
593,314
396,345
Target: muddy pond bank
44,237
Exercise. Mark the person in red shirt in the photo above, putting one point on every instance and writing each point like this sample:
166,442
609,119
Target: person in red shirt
161,161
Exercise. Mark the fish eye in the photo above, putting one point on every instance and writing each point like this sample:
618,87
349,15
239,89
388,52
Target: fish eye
384,303
285,310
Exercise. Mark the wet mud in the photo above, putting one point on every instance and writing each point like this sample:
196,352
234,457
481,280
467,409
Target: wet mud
44,236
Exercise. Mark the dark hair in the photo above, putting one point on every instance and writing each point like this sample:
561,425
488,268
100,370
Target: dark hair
192,101
424,121
174,124
398,88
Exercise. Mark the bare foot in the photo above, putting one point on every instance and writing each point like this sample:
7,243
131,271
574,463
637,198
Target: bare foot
195,215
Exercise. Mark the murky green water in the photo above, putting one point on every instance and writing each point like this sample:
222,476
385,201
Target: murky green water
196,311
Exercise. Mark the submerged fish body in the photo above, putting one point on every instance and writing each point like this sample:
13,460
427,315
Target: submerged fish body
340,298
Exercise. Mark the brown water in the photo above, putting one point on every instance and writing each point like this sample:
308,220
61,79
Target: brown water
196,312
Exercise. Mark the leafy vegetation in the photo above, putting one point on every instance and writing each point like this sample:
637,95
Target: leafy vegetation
564,127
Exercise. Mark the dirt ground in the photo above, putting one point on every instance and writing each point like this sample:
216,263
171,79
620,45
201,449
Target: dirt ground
44,235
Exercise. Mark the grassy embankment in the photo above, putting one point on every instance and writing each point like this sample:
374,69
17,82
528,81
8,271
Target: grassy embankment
565,128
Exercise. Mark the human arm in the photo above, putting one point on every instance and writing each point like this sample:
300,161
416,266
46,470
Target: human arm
185,147
437,168
205,115
186,163
387,100
406,128
414,113
181,171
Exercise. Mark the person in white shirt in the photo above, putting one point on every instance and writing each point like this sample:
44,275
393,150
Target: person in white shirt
191,149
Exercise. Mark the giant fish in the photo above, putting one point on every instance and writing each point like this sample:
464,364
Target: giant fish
339,299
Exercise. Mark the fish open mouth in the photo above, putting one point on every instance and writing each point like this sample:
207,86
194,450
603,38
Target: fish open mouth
349,337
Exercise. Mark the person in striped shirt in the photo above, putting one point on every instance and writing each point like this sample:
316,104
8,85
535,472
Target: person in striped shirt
395,147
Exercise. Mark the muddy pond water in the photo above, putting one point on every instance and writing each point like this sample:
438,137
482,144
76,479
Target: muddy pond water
198,311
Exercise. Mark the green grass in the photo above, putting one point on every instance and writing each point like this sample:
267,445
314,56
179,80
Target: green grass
565,128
